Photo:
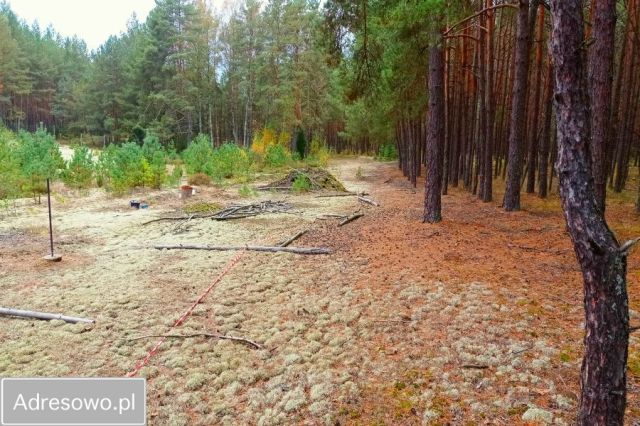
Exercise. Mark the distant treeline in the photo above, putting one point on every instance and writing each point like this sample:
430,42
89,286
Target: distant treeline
181,73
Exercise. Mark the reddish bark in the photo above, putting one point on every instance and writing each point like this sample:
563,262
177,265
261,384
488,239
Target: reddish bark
519,100
435,135
601,260
601,57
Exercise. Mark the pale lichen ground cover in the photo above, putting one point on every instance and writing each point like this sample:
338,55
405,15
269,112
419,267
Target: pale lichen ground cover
427,351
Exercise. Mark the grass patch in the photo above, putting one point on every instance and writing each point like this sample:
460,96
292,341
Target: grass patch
202,207
246,191
301,184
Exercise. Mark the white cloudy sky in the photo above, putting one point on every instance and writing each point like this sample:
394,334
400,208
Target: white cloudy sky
92,20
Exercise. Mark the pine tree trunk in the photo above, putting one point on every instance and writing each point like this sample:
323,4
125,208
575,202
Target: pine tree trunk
516,134
543,158
602,262
436,135
537,83
487,190
601,58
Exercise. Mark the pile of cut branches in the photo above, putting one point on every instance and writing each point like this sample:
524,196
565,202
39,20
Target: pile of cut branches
319,180
235,211
240,211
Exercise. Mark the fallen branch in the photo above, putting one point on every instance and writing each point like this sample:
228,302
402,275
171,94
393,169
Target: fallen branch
274,188
249,210
161,219
475,366
368,201
295,250
292,239
338,216
521,351
43,316
351,219
626,247
211,335
342,194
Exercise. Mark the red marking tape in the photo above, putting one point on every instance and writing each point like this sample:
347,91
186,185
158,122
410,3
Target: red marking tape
234,260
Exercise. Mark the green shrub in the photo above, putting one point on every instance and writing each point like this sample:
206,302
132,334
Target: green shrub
39,158
125,167
318,154
158,170
301,184
80,170
130,165
277,156
9,166
230,161
387,152
197,156
150,146
175,177
227,161
105,162
246,191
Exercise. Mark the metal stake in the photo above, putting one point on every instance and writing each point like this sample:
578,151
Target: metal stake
51,257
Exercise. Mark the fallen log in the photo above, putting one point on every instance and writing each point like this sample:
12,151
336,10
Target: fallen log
162,219
43,315
295,250
292,239
274,188
340,194
368,201
212,335
351,219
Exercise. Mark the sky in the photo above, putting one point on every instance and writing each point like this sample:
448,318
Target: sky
91,20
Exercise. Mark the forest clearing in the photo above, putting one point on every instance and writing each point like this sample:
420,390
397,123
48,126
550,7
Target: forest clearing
376,332
320,212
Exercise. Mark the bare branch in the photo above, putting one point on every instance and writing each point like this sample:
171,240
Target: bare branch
211,335
475,15
627,246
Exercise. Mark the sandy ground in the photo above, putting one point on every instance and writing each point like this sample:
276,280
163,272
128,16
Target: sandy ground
476,320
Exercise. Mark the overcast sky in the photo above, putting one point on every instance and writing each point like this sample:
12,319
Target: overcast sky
92,20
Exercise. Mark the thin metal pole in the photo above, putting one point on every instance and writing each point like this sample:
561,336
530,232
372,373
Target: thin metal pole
50,224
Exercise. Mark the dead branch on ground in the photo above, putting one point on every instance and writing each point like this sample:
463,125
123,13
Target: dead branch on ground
342,194
285,243
351,218
235,211
294,250
210,335
368,201
43,315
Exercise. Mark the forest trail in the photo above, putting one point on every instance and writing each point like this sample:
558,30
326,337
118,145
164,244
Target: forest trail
476,319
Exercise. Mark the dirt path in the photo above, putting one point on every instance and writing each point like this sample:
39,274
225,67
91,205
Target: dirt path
472,321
